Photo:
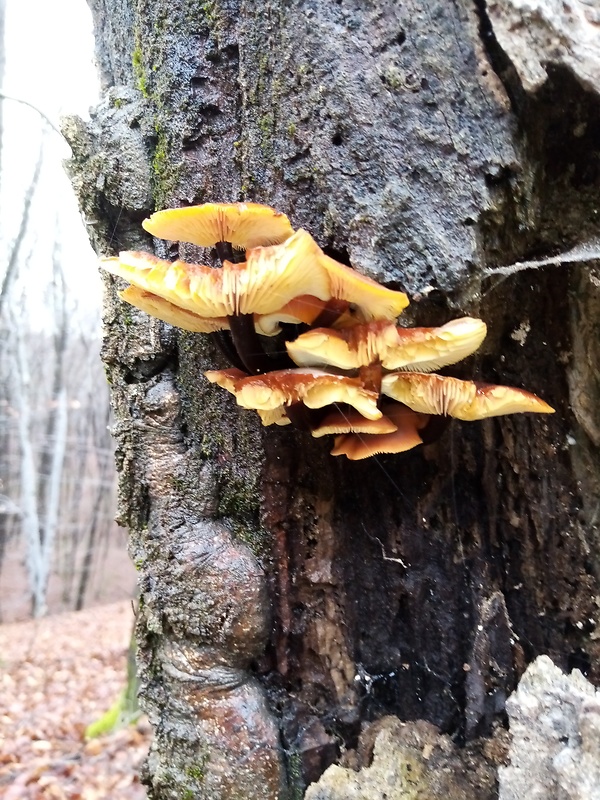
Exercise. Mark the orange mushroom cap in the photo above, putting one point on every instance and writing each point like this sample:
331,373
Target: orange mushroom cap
245,225
356,446
466,400
348,420
420,349
283,388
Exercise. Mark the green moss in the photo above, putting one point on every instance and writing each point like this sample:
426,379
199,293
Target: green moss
266,124
218,429
118,102
209,10
137,62
178,484
291,129
198,771
166,175
294,764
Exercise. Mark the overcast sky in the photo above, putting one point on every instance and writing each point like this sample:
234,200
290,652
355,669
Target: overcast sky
50,65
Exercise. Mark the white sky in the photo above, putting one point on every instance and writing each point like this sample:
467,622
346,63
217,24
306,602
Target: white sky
49,63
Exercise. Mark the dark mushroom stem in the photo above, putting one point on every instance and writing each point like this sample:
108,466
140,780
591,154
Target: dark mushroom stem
332,311
371,376
244,349
224,251
248,345
434,428
304,418
224,344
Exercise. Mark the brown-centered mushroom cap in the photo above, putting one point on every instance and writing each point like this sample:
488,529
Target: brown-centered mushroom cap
245,225
314,388
466,400
419,349
357,446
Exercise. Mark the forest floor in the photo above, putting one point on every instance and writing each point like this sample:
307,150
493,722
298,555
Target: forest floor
58,675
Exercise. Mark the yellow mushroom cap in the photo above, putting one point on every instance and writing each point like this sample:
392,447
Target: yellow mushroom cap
356,446
314,388
168,312
245,225
269,279
419,349
466,400
374,301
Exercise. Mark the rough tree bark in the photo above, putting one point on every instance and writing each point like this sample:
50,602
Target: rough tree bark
290,599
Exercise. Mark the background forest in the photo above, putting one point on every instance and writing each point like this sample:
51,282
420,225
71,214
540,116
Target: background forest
59,546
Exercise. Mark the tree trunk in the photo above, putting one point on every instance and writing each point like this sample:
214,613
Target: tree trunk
289,598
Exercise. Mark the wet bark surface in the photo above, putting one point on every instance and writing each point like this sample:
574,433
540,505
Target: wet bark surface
417,585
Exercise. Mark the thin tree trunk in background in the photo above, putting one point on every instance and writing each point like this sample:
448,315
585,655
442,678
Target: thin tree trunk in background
15,251
30,520
92,535
418,586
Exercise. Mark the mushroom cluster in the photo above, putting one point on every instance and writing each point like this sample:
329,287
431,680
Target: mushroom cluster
340,365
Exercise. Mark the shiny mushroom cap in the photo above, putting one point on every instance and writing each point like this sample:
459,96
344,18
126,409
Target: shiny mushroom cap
373,301
357,446
466,400
269,279
419,349
244,225
284,388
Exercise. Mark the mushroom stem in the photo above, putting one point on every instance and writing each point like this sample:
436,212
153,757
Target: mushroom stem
371,377
300,416
435,428
247,344
332,311
222,340
224,251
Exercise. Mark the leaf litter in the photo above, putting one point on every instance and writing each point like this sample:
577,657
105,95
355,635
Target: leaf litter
58,675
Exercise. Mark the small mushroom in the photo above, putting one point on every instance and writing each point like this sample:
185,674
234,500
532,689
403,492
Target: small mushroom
466,400
357,446
285,388
244,225
419,349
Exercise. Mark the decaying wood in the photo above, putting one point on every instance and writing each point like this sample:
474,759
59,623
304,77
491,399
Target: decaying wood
417,586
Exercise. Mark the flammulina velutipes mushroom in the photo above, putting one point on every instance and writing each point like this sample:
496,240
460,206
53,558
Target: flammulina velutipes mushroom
352,372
